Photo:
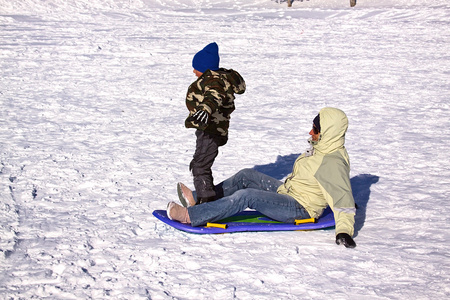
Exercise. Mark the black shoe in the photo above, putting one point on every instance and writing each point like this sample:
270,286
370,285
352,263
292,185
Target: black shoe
201,200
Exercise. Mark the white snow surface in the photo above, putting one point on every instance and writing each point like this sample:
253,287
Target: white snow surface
92,141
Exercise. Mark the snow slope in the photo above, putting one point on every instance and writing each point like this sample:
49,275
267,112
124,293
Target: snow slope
92,140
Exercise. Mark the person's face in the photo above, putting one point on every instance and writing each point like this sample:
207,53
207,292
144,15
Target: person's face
197,73
314,134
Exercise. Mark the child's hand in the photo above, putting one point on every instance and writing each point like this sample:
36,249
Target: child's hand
200,117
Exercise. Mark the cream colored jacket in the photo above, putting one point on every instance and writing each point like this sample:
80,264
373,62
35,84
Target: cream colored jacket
320,178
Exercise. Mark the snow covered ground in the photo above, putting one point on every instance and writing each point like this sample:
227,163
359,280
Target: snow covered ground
92,140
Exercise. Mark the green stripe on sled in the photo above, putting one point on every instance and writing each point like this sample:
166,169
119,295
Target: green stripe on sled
248,219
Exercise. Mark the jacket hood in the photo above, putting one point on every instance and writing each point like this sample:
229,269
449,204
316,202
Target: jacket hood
233,77
333,125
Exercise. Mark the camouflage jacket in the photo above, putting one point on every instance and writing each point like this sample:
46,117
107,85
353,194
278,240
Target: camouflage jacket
214,92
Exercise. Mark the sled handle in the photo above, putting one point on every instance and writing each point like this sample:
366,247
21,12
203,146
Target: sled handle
217,225
302,221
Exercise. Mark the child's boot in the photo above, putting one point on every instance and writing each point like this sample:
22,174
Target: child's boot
205,199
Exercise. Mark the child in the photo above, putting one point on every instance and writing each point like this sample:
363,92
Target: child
210,101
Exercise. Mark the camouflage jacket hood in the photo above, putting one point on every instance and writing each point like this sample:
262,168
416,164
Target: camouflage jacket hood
214,92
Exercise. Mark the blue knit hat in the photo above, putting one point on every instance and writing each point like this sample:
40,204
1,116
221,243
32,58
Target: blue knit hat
207,58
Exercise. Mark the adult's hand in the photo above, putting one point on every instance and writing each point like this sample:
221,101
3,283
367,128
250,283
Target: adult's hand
346,240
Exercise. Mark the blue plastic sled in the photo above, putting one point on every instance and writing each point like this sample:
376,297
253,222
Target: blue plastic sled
249,221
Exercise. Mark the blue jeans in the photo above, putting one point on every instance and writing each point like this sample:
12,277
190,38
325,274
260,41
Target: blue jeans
248,189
